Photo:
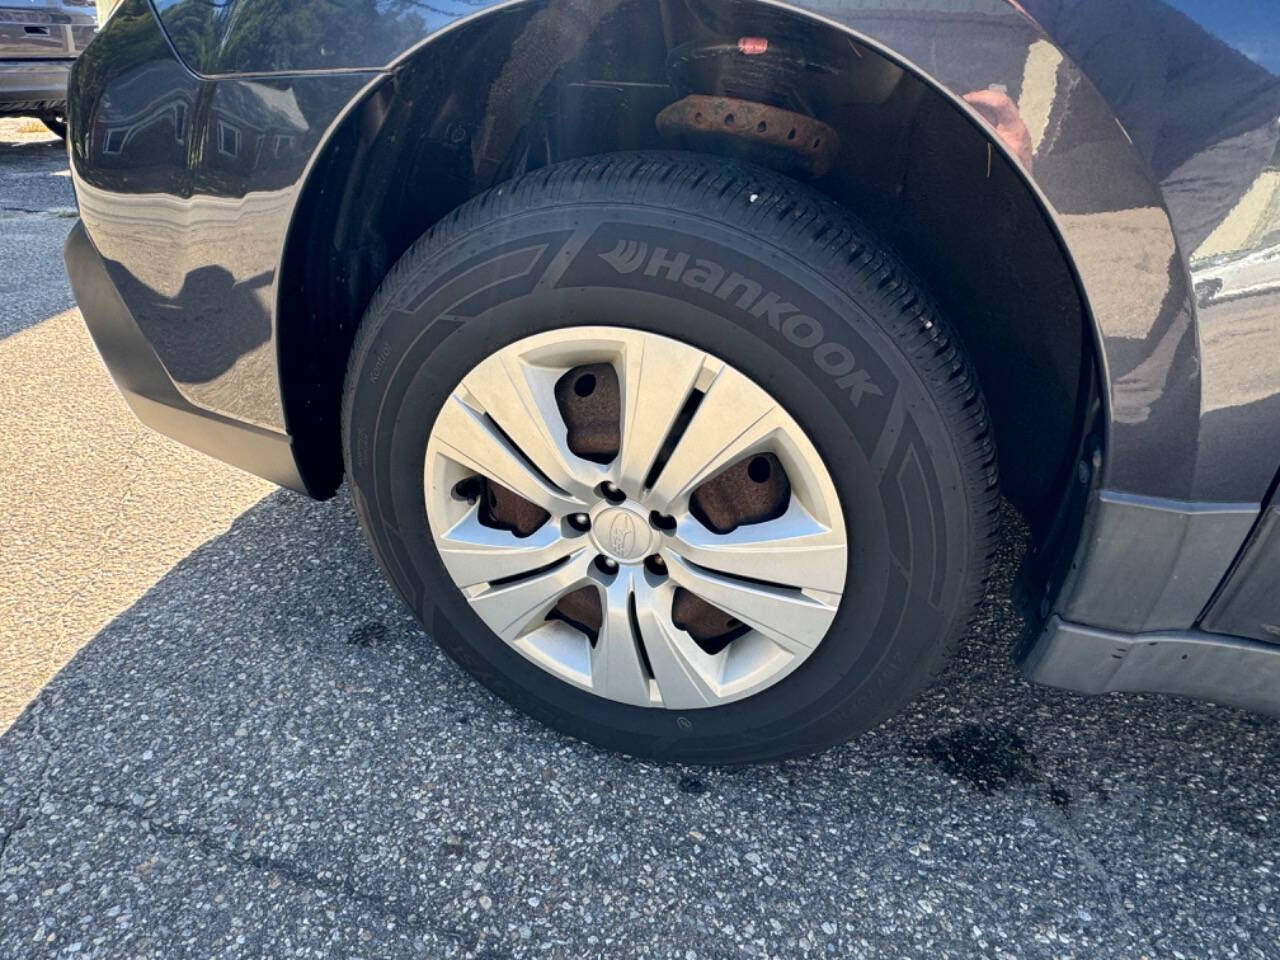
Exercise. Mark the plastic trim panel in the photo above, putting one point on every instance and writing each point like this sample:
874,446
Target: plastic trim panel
1227,670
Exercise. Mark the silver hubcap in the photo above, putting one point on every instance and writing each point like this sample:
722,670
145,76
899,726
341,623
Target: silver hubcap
605,569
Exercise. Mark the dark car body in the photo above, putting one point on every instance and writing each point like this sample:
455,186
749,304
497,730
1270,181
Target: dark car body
39,40
246,173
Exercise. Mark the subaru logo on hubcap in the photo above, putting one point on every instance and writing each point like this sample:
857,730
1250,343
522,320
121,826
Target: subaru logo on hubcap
622,534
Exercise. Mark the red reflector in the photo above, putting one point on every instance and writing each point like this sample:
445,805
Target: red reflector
752,46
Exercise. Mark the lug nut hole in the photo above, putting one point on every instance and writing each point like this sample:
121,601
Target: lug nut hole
662,522
471,489
606,565
580,522
656,565
611,493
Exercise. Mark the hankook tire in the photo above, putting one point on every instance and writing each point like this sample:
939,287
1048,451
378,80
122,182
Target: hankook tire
670,453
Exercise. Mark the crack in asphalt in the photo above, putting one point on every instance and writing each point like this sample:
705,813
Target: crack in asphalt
11,831
25,816
340,886
1096,869
28,213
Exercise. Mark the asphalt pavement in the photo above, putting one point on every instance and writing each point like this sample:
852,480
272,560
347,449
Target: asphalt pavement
249,749
37,208
96,508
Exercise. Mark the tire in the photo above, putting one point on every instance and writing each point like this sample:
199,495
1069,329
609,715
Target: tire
822,318
55,124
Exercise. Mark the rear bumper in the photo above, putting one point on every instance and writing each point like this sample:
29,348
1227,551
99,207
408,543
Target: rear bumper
148,388
33,85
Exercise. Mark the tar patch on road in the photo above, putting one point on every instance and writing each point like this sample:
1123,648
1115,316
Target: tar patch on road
991,759
371,634
691,785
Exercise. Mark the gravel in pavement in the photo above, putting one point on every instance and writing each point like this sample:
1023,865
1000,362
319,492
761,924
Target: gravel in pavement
37,208
265,757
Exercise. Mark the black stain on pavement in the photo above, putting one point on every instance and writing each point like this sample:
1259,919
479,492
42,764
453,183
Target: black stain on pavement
691,785
986,759
371,634
991,759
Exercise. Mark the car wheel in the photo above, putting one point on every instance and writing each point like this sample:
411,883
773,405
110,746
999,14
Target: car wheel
670,453
56,124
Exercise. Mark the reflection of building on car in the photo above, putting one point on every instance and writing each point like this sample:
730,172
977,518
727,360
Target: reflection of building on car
38,43
246,127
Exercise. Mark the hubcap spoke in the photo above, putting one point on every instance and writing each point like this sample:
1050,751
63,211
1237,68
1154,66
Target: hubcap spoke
734,417
657,376
789,618
474,443
682,671
510,609
478,554
794,550
617,671
521,400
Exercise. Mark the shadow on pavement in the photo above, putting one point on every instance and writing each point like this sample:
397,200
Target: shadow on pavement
265,757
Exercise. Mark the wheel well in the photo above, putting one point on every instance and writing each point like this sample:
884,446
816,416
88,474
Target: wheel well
533,84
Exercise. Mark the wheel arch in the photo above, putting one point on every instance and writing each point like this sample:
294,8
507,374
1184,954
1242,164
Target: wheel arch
928,174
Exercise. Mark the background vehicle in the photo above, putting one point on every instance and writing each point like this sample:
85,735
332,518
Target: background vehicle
876,246
38,43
